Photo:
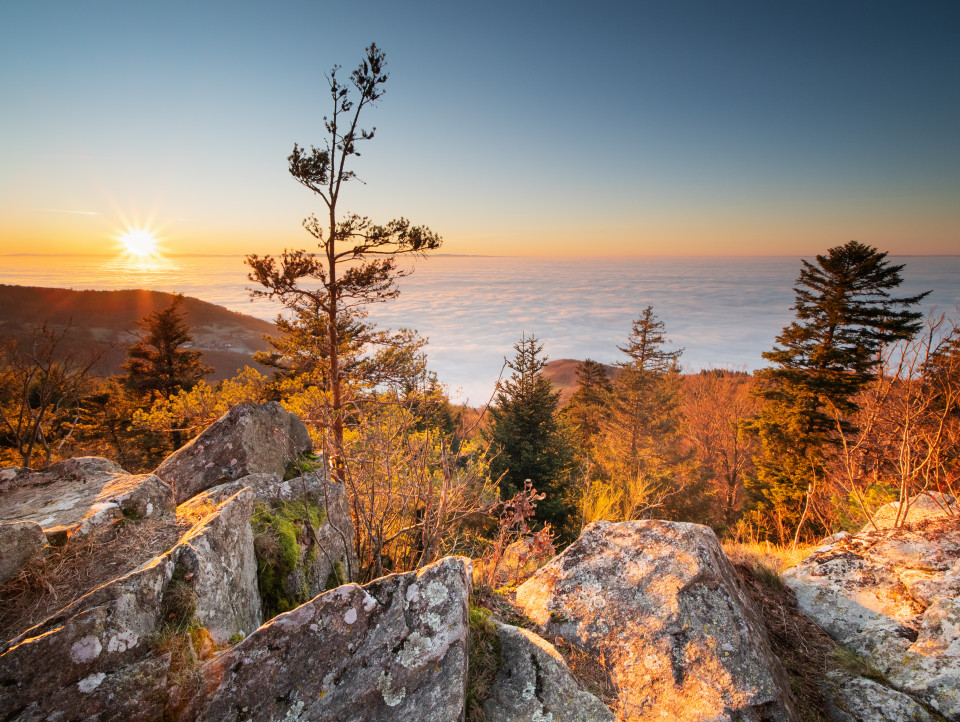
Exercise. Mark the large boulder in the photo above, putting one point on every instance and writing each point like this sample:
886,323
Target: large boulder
20,541
893,597
659,605
534,683
395,649
248,439
87,659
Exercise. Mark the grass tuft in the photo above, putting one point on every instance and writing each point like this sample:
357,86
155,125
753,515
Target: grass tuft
485,662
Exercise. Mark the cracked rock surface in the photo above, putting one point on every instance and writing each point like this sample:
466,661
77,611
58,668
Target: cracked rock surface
893,597
394,649
534,684
660,605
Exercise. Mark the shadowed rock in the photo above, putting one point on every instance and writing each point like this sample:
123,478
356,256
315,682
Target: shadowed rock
659,605
534,683
20,541
893,597
395,649
334,535
83,661
248,439
855,699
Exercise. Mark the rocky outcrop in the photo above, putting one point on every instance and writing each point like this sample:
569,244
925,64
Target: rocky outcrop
659,604
534,683
77,495
856,699
20,541
335,554
395,649
893,597
80,662
248,439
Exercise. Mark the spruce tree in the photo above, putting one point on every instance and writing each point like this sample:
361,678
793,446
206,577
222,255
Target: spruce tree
589,406
527,439
157,366
845,315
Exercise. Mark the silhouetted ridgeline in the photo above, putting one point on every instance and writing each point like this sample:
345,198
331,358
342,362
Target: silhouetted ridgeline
108,319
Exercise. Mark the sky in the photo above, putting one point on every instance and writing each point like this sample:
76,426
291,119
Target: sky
510,128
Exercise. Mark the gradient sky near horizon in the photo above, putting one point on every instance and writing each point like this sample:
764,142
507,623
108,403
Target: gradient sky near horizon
517,128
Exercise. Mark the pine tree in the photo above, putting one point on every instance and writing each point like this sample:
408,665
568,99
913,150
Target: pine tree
527,438
589,406
156,365
845,315
638,452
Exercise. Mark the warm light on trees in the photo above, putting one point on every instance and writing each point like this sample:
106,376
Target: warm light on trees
357,262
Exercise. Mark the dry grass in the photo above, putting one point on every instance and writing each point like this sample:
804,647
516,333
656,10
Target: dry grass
766,558
66,573
805,650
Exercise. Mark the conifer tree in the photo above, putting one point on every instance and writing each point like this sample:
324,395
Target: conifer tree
589,406
845,315
638,452
527,438
157,366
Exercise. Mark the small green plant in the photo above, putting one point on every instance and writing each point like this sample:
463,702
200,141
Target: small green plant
849,661
303,464
485,661
337,577
236,639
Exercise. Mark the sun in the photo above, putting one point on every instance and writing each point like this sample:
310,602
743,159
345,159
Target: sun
138,242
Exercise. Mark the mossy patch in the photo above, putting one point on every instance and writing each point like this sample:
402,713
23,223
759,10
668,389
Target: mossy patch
337,577
284,546
303,464
485,662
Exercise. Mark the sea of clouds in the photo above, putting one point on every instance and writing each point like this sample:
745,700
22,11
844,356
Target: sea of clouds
724,311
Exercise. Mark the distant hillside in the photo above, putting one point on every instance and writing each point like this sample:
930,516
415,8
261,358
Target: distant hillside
563,374
108,319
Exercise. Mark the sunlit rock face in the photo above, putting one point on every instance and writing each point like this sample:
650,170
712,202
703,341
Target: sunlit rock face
893,596
76,495
248,439
659,605
921,507
394,649
534,683
87,659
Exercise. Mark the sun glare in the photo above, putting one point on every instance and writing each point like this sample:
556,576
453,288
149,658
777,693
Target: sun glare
138,242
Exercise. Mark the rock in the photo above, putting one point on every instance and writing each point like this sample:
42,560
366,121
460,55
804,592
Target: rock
395,649
855,699
248,439
930,505
138,496
219,557
20,541
334,535
87,659
659,604
60,495
520,559
534,683
892,597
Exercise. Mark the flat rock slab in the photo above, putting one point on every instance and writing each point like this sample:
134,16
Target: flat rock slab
60,495
855,699
395,649
534,683
248,439
893,596
659,605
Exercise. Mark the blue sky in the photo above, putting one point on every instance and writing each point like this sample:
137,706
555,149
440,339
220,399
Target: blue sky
541,128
